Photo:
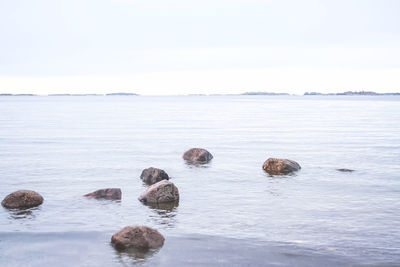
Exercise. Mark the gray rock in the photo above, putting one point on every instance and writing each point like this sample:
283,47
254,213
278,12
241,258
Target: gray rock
22,199
153,175
107,193
276,166
141,237
197,155
160,192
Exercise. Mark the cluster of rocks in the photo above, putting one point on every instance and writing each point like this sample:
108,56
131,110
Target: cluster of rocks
160,191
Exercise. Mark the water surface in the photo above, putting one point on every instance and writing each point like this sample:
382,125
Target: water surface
64,147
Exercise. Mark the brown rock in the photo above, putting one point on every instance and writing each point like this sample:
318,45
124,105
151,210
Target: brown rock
153,175
160,192
197,155
276,166
22,199
141,237
107,193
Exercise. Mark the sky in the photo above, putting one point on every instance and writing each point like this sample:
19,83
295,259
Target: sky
199,47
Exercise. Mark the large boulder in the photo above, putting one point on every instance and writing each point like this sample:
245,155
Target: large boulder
160,192
153,175
22,199
276,166
197,155
141,237
107,193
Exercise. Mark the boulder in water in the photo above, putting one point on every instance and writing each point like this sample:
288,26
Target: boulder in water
276,166
107,193
153,175
197,155
160,192
22,199
141,237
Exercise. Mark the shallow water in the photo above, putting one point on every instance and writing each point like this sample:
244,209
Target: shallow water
64,147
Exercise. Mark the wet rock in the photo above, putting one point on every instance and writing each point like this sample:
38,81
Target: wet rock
22,199
197,155
345,170
153,175
141,237
107,193
160,192
276,166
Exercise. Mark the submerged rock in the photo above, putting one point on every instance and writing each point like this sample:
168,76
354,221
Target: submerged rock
22,199
160,192
197,155
345,170
153,175
141,237
107,193
276,166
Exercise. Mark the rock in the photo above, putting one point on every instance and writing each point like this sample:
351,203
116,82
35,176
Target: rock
153,175
276,166
141,237
197,155
345,170
107,193
160,192
22,199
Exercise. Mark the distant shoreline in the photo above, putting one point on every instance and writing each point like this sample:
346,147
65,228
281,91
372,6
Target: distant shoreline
347,93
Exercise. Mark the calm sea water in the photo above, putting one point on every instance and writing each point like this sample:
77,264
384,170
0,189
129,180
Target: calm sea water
230,212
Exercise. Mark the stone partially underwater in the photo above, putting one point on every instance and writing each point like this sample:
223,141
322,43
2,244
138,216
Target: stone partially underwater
141,237
160,192
22,199
107,193
197,156
345,170
153,175
275,166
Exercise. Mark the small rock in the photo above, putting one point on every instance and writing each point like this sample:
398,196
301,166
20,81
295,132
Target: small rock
141,237
107,193
153,175
160,192
276,166
345,170
22,199
197,155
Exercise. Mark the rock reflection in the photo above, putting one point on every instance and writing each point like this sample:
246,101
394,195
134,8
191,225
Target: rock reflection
192,164
164,213
135,255
22,213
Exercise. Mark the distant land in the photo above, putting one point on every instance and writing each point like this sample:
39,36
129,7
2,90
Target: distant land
347,93
352,93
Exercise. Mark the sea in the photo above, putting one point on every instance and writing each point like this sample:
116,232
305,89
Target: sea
231,212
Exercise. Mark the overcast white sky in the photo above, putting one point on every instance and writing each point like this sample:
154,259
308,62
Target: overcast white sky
185,47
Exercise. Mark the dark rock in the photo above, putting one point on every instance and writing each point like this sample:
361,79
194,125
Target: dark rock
276,166
345,170
153,175
22,199
107,193
197,155
141,237
160,192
